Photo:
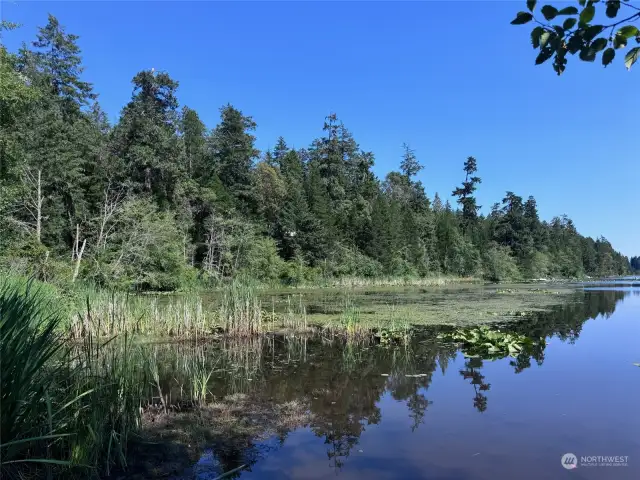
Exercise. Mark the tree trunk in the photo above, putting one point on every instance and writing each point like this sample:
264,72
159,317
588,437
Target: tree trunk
78,259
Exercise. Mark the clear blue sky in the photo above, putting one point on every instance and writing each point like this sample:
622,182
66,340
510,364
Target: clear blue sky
450,78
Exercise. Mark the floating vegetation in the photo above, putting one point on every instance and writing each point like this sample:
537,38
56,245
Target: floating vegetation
489,343
398,334
543,291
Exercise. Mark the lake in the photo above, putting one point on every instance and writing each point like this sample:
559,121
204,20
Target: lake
292,407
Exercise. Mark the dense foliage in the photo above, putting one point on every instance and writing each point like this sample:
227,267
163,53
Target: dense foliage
582,31
159,200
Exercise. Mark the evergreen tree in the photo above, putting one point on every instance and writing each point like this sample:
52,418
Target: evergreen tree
59,67
233,152
146,137
465,194
158,193
195,142
409,165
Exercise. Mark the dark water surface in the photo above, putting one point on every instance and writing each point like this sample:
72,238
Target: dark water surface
428,411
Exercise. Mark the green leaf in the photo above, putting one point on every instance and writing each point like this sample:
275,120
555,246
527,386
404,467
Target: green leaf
522,18
608,56
544,55
535,36
587,54
582,2
49,461
531,4
619,42
612,8
628,31
592,32
575,43
599,44
568,11
569,23
544,38
587,14
36,439
631,57
549,12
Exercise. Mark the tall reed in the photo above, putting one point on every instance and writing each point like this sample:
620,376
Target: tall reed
240,309
28,343
105,313
65,411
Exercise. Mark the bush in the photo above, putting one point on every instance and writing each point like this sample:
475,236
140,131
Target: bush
30,258
295,272
145,253
262,261
347,262
499,265
536,265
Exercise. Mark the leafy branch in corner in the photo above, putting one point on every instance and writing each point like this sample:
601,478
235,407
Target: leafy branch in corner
578,34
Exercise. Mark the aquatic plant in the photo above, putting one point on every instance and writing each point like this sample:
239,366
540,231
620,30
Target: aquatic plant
396,334
104,313
491,343
62,407
240,309
108,380
28,342
350,320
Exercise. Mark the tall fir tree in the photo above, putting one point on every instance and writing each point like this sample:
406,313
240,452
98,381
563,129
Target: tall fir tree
465,193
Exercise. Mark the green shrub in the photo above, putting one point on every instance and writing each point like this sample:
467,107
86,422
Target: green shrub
499,265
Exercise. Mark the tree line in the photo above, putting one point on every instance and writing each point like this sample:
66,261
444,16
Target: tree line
159,200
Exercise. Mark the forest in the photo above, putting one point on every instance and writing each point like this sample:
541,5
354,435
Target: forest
159,201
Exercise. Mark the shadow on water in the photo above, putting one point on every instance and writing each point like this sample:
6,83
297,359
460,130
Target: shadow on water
235,402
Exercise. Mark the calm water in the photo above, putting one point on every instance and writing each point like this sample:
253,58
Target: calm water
462,418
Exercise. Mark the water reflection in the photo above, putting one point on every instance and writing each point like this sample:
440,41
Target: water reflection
339,385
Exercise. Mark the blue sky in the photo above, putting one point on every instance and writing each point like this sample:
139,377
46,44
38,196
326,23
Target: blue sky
450,78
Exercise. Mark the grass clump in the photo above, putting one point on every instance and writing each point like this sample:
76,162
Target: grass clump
66,410
106,313
240,309
29,340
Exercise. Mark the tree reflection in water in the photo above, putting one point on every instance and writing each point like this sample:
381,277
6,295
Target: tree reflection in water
340,384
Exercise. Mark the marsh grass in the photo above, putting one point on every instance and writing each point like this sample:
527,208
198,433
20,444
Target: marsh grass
66,410
363,282
106,313
28,343
109,382
240,309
